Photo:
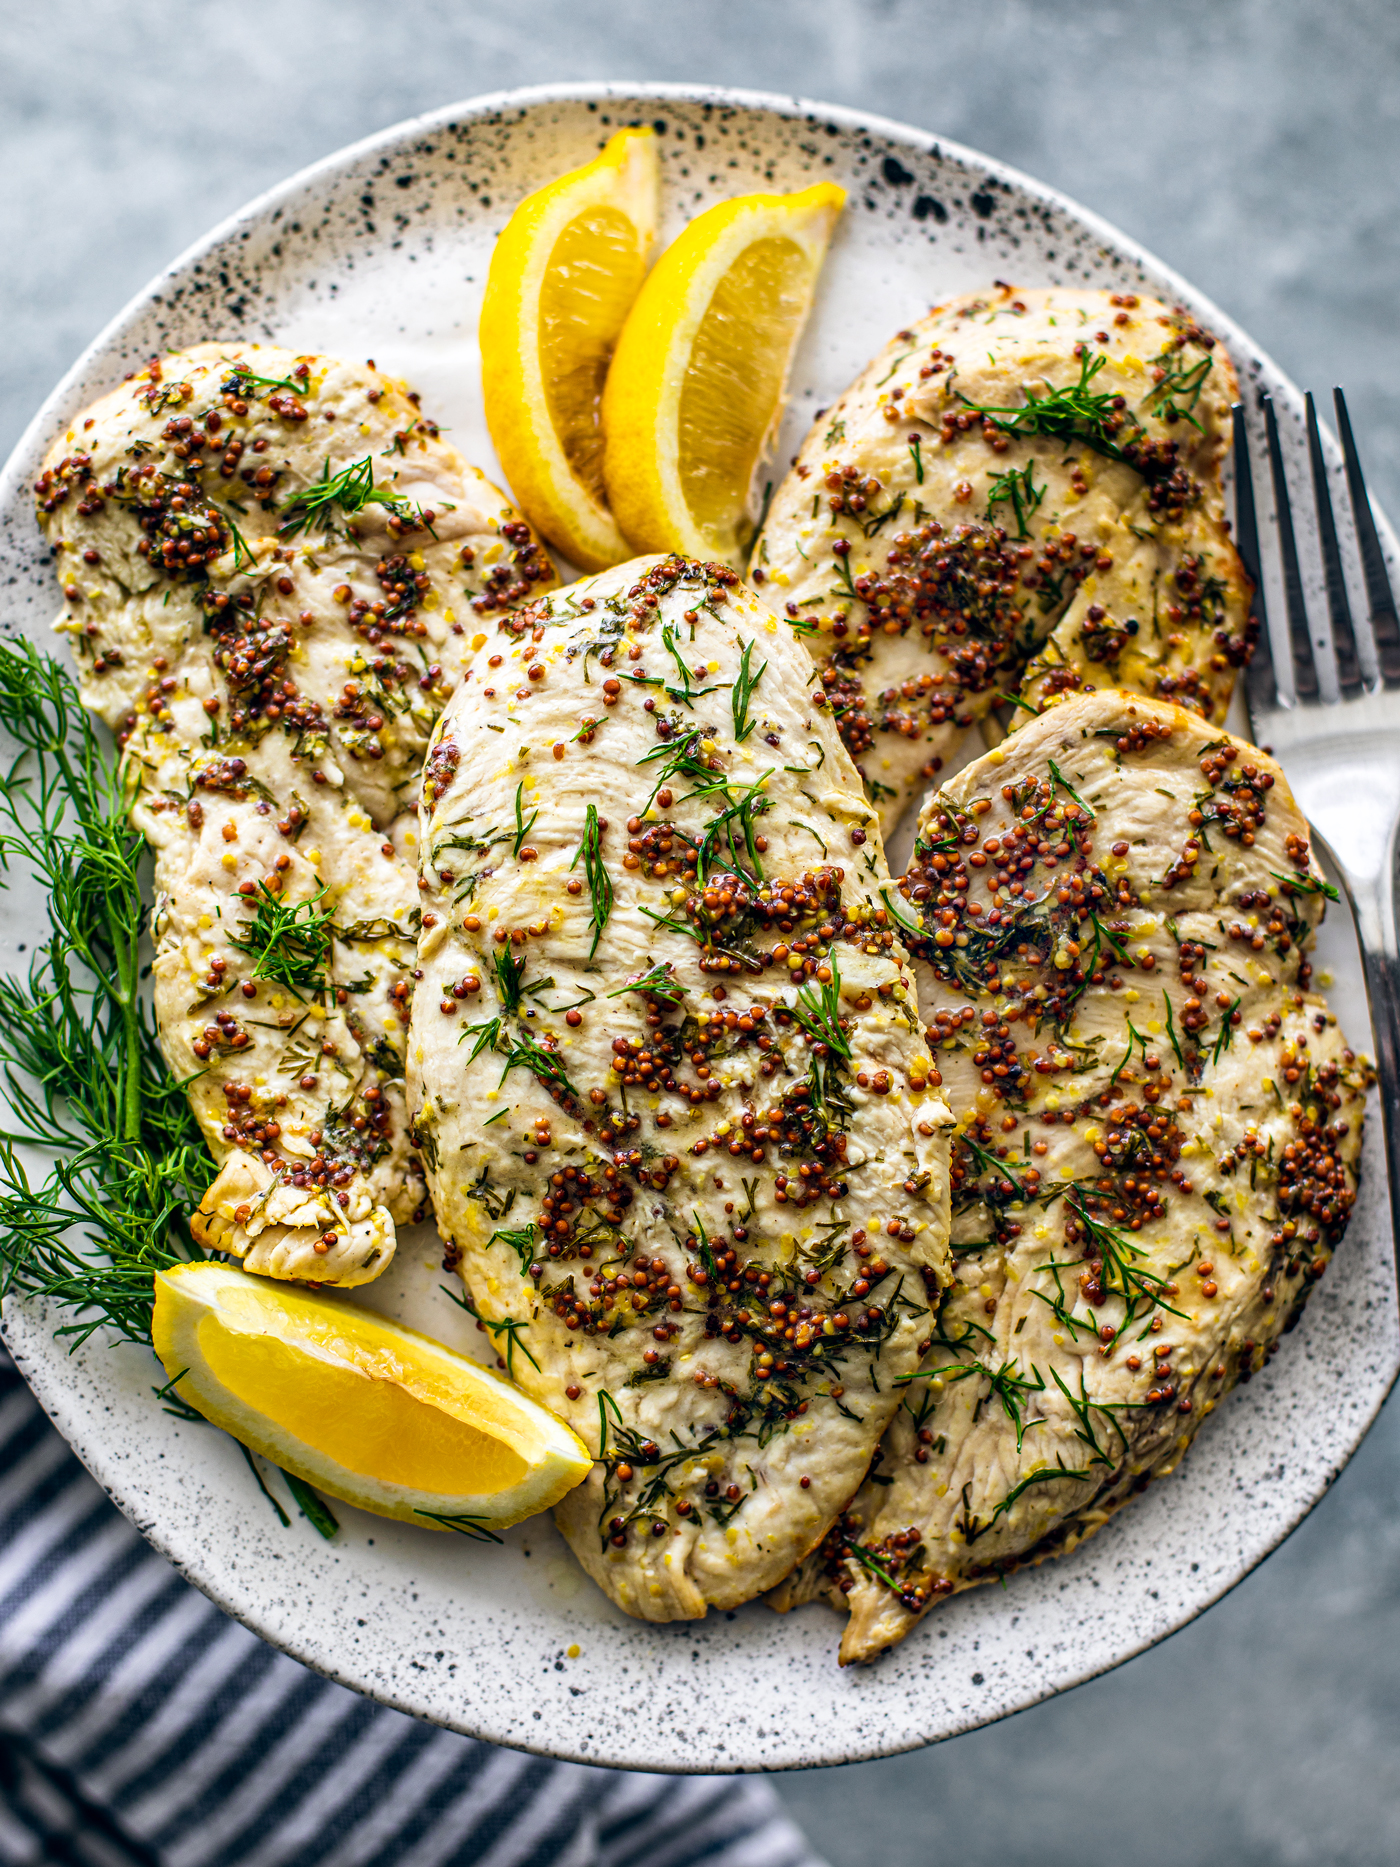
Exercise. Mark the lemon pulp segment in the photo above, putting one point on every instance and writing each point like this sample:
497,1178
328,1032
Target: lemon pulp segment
592,277
735,376
370,1425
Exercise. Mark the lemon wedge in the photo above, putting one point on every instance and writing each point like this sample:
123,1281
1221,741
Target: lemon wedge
695,391
562,280
358,1405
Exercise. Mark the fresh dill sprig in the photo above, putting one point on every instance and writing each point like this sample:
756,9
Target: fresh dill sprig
819,1014
660,980
1018,489
733,827
82,1069
987,1162
1104,936
1307,885
868,1561
474,1527
1134,1037
1084,1409
876,522
543,1065
1012,1388
679,758
507,1327
486,1031
289,941
510,972
742,692
1171,1029
972,1528
685,695
242,550
241,381
349,491
1175,397
1225,1035
1063,784
522,828
606,1405
843,572
600,889
315,1509
522,1240
1076,413
705,1250
1122,1272
258,1479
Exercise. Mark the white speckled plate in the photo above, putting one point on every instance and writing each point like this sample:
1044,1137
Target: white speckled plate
382,250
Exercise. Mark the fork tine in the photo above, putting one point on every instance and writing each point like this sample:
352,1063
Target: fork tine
1338,606
1260,683
1304,669
1385,625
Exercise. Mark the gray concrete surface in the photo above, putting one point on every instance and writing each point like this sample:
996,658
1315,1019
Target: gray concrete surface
1255,145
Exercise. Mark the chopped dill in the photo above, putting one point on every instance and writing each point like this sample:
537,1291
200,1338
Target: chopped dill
1175,397
543,1065
1019,490
315,1510
349,491
685,695
289,941
660,980
522,828
1063,784
507,1327
241,381
522,1240
1307,885
599,881
843,572
1171,1029
1076,413
510,974
474,1527
742,692
1225,1035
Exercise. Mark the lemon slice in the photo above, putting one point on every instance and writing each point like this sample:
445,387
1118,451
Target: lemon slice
562,280
696,386
360,1406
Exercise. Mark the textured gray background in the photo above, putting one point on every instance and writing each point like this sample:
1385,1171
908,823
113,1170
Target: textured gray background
1254,145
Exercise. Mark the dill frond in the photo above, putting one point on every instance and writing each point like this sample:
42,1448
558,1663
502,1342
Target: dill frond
83,1075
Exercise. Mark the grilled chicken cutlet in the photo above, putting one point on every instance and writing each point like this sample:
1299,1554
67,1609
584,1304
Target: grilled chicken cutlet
668,1074
1014,465
269,564
1158,1131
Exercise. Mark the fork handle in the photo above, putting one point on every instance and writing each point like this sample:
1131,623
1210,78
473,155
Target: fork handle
1373,902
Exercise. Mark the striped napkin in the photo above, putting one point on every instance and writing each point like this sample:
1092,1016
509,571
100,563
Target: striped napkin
139,1725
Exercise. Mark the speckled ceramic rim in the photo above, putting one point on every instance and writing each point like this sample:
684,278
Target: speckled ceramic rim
389,1612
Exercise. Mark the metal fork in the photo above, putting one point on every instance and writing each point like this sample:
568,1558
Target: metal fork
1337,732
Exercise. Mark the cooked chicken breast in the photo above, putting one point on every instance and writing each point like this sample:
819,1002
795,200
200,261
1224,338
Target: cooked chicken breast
271,566
668,1074
1158,1130
1012,466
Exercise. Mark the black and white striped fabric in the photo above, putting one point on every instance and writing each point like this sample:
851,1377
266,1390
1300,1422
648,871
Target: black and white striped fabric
139,1725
